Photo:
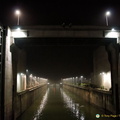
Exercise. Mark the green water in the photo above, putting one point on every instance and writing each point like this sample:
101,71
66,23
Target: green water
59,104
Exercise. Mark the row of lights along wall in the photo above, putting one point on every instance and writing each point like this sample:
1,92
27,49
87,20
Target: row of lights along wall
27,81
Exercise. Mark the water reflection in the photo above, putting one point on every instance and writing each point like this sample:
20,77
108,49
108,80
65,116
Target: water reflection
73,107
42,106
60,104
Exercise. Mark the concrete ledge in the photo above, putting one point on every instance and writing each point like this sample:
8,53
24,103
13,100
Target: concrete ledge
24,99
101,99
91,89
30,89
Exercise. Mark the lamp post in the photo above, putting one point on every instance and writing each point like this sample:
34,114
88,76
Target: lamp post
27,78
17,12
107,15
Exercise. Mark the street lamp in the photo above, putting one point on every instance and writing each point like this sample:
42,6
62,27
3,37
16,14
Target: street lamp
107,14
17,12
27,78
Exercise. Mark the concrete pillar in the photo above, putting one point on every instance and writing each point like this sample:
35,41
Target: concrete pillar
14,58
18,67
8,77
6,83
113,58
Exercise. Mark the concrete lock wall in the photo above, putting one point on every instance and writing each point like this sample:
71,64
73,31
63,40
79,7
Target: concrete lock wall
102,74
15,63
18,67
26,98
8,78
98,98
23,97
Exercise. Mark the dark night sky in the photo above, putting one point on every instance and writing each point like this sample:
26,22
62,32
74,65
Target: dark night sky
77,12
56,62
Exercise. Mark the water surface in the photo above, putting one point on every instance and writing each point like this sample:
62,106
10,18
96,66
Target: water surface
60,104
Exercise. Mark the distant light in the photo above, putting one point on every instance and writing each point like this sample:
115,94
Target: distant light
30,75
48,83
18,33
113,29
18,82
107,80
61,83
22,74
108,13
102,73
81,76
18,28
17,12
97,115
112,34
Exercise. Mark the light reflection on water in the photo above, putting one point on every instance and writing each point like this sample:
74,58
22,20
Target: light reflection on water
42,106
72,106
60,104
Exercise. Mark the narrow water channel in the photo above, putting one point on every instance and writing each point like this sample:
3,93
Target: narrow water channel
60,104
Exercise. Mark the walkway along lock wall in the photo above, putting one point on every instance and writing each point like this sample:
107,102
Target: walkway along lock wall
99,98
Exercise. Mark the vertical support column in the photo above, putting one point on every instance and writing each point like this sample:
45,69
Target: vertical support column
14,68
8,77
113,58
18,67
15,54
